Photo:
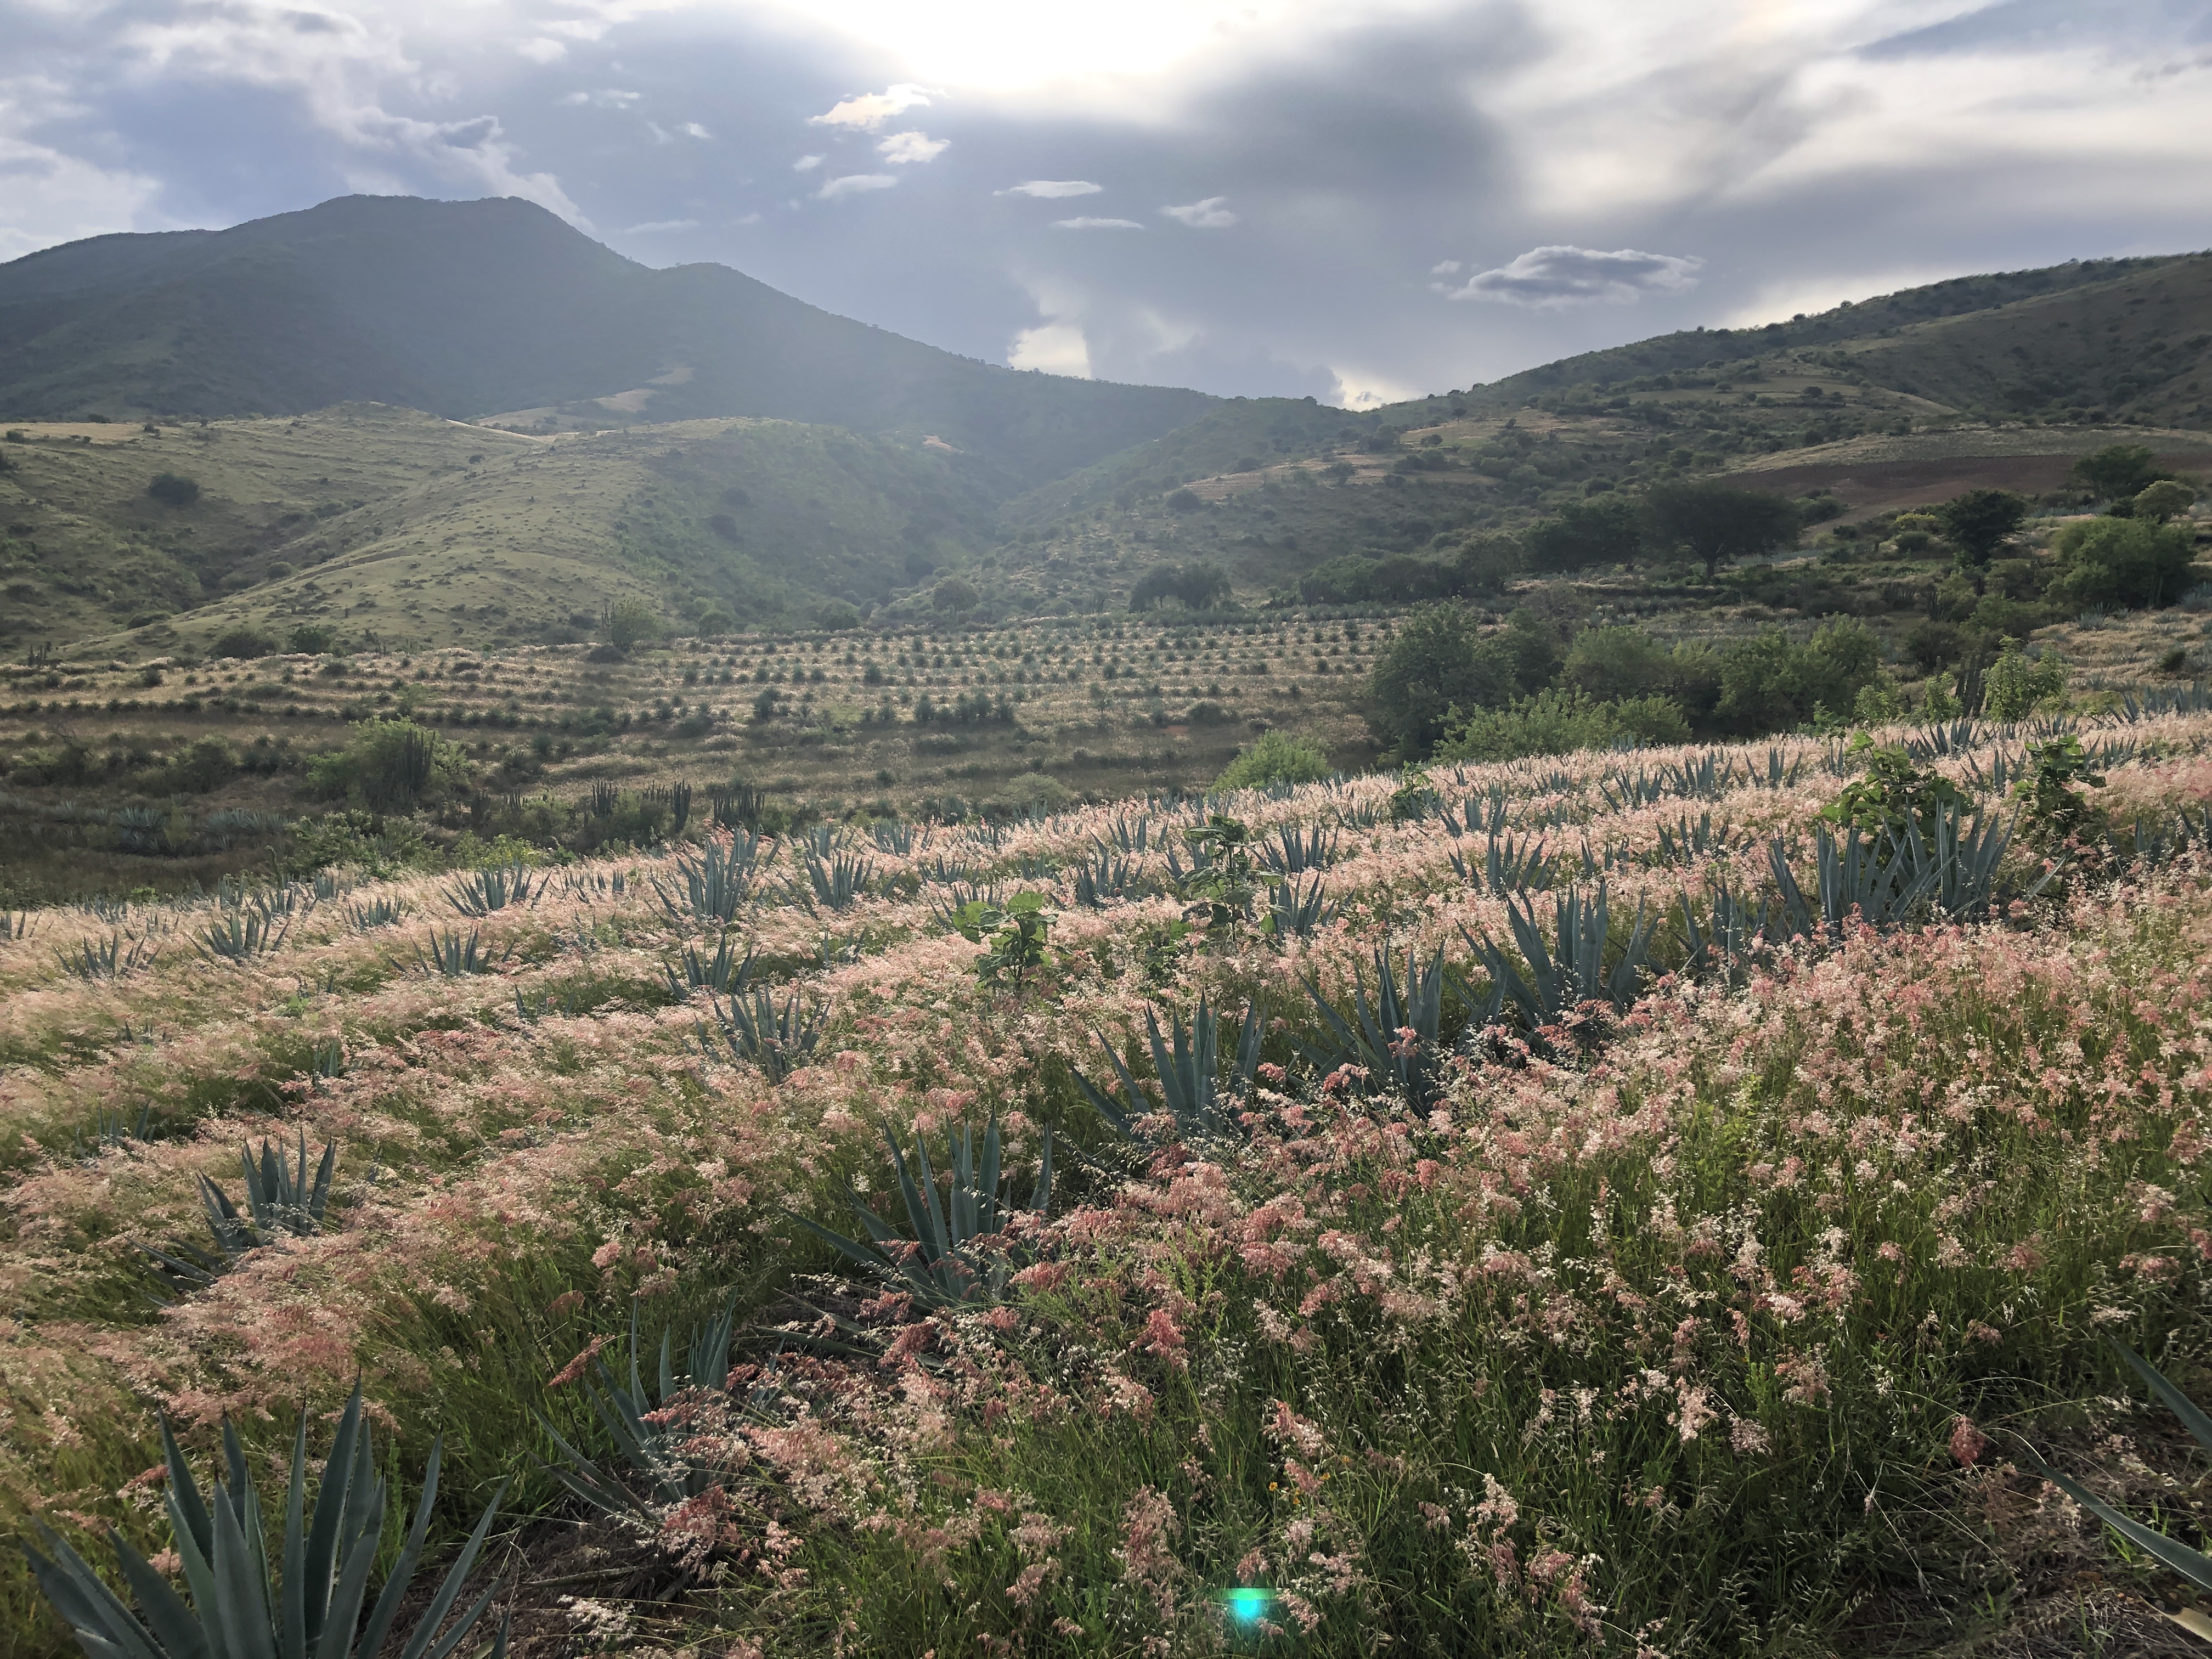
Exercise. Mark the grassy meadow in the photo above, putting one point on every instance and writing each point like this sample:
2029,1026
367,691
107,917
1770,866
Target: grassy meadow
1512,1280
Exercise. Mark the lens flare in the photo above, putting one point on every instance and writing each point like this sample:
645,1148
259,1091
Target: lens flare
1247,1603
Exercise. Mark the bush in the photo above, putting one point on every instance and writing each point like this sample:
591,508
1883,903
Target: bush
1486,563
833,615
954,594
243,642
1611,663
390,765
1184,501
2014,687
1275,757
627,623
1560,720
206,766
313,639
1439,663
2130,562
174,489
1199,586
1773,683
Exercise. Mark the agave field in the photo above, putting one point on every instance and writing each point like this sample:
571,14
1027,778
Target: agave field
1598,1205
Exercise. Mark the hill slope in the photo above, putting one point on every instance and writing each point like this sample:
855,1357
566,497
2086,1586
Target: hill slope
468,309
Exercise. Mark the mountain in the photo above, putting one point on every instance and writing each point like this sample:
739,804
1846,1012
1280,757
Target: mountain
468,309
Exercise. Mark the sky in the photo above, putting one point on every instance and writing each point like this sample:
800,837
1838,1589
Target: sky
1355,202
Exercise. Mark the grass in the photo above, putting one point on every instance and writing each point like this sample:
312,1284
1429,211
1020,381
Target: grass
1659,1343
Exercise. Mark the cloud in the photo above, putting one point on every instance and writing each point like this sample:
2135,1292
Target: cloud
1052,349
1052,189
1446,268
806,163
867,111
606,98
542,51
1212,213
852,184
1563,275
693,130
1095,224
655,226
901,147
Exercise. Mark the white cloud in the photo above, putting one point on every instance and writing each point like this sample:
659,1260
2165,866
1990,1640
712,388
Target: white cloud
542,51
867,111
1052,189
1212,213
693,130
1358,389
606,98
48,196
806,163
1563,275
655,226
1052,349
852,184
1446,268
901,147
1095,224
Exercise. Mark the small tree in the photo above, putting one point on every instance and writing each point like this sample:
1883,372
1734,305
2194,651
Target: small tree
313,639
629,622
2168,498
1599,530
2118,471
1715,523
243,642
1978,522
955,594
174,489
1275,757
2124,562
1438,662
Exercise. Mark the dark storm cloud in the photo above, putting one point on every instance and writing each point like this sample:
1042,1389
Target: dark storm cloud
1293,210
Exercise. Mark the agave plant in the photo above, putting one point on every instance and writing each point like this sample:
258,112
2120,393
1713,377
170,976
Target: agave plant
453,956
2195,1565
113,958
1509,865
1187,1065
938,1260
1128,836
1298,910
1293,851
371,914
1732,937
239,1606
714,884
1104,878
652,1431
480,892
837,881
724,971
1555,977
241,935
1399,1035
15,924
280,1199
112,1131
777,1040
1685,843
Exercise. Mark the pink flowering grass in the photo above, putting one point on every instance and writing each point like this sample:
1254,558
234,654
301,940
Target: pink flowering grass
1659,1343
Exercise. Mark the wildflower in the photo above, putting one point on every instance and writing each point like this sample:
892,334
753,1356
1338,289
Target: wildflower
1968,1442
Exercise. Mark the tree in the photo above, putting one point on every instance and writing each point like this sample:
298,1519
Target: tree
1439,661
1486,563
2167,499
1772,682
629,622
1978,521
2118,471
954,594
174,489
244,642
1598,530
1717,523
1205,586
313,640
1613,663
2124,562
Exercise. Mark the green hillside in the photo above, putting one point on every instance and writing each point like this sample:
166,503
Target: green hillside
401,525
472,309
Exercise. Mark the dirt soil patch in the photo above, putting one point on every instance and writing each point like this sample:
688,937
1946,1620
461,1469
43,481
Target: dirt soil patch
1870,487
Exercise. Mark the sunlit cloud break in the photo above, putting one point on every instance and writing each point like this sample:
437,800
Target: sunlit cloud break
1564,274
867,111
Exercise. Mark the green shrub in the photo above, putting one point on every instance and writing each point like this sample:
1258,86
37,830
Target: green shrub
1773,682
1611,663
2130,562
629,623
207,765
1275,757
1559,720
390,765
313,640
2014,686
1438,662
174,489
244,642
